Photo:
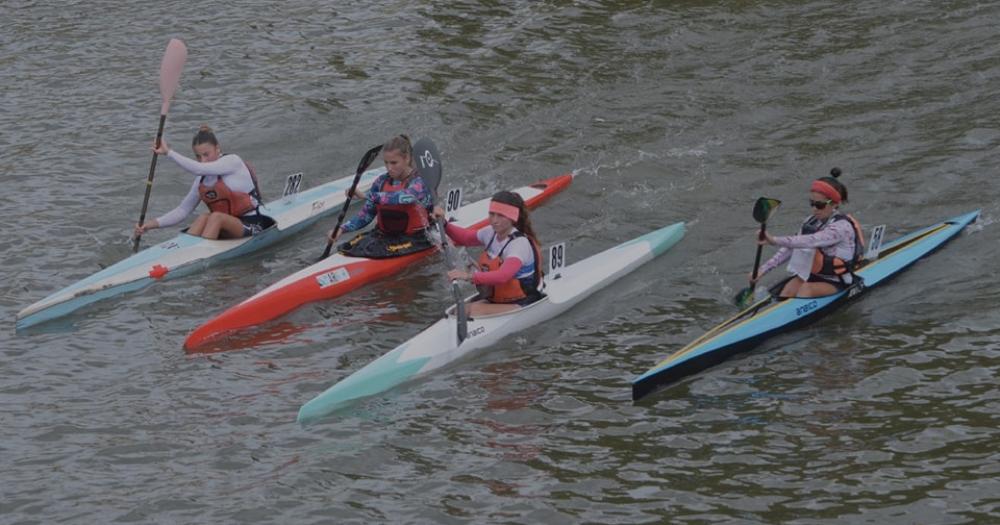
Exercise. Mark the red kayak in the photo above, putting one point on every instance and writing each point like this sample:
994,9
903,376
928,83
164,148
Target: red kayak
338,274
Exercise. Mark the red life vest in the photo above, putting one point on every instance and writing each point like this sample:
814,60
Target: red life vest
515,289
219,197
406,219
830,266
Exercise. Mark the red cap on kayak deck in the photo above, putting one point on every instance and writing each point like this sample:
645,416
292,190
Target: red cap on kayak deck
158,271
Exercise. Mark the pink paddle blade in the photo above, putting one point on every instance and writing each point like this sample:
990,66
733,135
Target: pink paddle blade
170,71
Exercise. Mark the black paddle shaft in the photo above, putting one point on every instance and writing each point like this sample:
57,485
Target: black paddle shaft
463,321
366,161
756,261
149,182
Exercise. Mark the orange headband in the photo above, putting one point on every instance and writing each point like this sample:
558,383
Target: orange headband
507,210
826,189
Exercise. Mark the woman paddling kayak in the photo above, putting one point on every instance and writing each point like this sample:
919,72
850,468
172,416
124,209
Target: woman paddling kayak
509,268
398,202
225,183
829,244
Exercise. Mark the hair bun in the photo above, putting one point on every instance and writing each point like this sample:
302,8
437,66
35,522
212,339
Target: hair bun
205,127
835,172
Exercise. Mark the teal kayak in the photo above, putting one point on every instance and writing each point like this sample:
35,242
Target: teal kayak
772,315
186,254
439,345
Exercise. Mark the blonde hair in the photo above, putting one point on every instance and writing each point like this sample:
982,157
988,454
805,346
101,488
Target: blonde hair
203,136
400,143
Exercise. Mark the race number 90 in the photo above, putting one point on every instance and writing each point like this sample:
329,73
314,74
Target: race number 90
453,201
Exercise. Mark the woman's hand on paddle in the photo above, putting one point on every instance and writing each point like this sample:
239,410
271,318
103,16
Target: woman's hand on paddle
766,239
752,280
146,226
162,149
358,194
332,235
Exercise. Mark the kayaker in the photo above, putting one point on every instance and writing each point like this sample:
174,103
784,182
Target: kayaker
398,201
509,269
225,183
822,256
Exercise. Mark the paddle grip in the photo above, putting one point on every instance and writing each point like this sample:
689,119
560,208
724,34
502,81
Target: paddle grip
149,181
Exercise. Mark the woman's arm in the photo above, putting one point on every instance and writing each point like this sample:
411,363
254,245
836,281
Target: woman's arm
837,232
506,272
367,213
776,260
182,210
226,165
462,236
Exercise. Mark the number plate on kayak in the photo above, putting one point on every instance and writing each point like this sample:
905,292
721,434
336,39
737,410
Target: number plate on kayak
332,278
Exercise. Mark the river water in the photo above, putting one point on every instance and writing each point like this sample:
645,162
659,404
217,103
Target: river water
883,412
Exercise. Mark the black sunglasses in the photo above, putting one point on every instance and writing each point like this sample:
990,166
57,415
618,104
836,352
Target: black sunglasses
819,205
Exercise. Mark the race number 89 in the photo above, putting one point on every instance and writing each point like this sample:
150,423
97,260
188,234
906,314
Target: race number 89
557,258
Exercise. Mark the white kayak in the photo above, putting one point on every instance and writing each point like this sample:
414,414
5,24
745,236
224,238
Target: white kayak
187,254
438,345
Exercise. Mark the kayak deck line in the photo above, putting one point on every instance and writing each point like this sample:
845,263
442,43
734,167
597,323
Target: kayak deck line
437,346
754,324
340,274
184,254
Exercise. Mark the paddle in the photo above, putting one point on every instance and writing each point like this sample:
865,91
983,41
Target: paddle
366,161
428,162
170,75
463,320
762,210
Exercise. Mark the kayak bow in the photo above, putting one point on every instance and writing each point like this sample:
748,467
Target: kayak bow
339,274
438,345
187,254
770,315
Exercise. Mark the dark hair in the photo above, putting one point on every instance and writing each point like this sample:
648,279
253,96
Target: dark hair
837,185
400,143
523,223
204,136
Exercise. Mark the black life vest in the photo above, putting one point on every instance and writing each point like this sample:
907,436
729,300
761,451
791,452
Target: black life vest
829,266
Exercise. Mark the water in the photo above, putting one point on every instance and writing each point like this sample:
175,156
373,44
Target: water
884,412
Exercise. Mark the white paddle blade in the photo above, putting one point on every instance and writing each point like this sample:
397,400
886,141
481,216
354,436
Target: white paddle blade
170,71
875,242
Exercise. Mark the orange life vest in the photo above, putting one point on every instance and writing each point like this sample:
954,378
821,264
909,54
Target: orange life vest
220,198
398,219
515,289
830,266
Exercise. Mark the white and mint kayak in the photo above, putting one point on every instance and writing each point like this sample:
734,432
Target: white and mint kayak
438,345
187,254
